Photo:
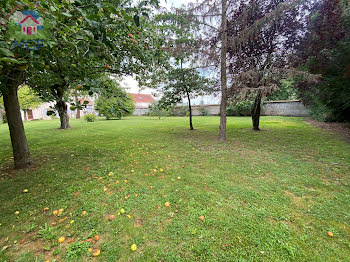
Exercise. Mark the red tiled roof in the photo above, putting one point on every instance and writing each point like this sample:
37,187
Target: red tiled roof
85,99
141,98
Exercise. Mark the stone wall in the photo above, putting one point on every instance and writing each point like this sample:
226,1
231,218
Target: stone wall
284,108
269,108
213,110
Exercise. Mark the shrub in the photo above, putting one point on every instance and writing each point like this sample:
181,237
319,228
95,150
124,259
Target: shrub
178,111
242,108
90,117
156,110
203,111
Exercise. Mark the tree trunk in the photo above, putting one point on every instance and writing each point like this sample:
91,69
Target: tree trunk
25,115
189,109
256,111
62,111
189,100
20,147
78,110
223,105
78,114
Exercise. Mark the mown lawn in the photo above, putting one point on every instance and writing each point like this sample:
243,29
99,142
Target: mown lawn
265,196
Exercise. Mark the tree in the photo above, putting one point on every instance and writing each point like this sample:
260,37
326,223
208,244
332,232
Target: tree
104,37
325,50
155,109
237,28
183,82
211,16
13,66
27,99
114,102
90,32
176,78
262,34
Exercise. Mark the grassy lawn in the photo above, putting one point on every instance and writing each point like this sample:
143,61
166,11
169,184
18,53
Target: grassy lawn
265,196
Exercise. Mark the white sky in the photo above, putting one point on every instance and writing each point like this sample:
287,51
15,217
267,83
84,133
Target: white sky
129,83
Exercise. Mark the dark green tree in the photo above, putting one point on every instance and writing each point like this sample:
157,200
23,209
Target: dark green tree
326,51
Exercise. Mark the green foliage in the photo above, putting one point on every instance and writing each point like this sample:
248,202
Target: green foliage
29,228
90,117
203,111
178,111
77,249
156,110
175,77
183,82
241,108
4,117
46,232
27,98
285,92
327,50
114,102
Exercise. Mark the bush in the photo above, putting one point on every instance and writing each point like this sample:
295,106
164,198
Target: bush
203,111
156,110
242,108
90,117
178,111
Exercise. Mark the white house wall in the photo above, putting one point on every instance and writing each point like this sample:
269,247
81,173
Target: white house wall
204,100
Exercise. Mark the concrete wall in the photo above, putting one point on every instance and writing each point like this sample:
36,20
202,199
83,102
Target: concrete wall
213,110
269,108
141,111
284,108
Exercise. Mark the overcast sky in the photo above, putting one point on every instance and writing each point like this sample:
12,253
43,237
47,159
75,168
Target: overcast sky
130,84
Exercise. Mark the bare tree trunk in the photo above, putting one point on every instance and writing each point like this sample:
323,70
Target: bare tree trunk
256,111
25,115
223,105
62,111
19,142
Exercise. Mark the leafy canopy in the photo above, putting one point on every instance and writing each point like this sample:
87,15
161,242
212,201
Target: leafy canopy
114,102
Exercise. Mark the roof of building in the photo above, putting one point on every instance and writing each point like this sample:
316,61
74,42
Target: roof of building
142,98
86,99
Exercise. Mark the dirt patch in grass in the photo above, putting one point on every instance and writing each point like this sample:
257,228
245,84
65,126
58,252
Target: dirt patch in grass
340,129
294,198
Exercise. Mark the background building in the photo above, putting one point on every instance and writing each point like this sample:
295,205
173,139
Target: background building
142,102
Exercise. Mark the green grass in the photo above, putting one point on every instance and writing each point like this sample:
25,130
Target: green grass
266,196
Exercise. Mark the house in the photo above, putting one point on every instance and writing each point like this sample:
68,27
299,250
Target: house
142,102
40,113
